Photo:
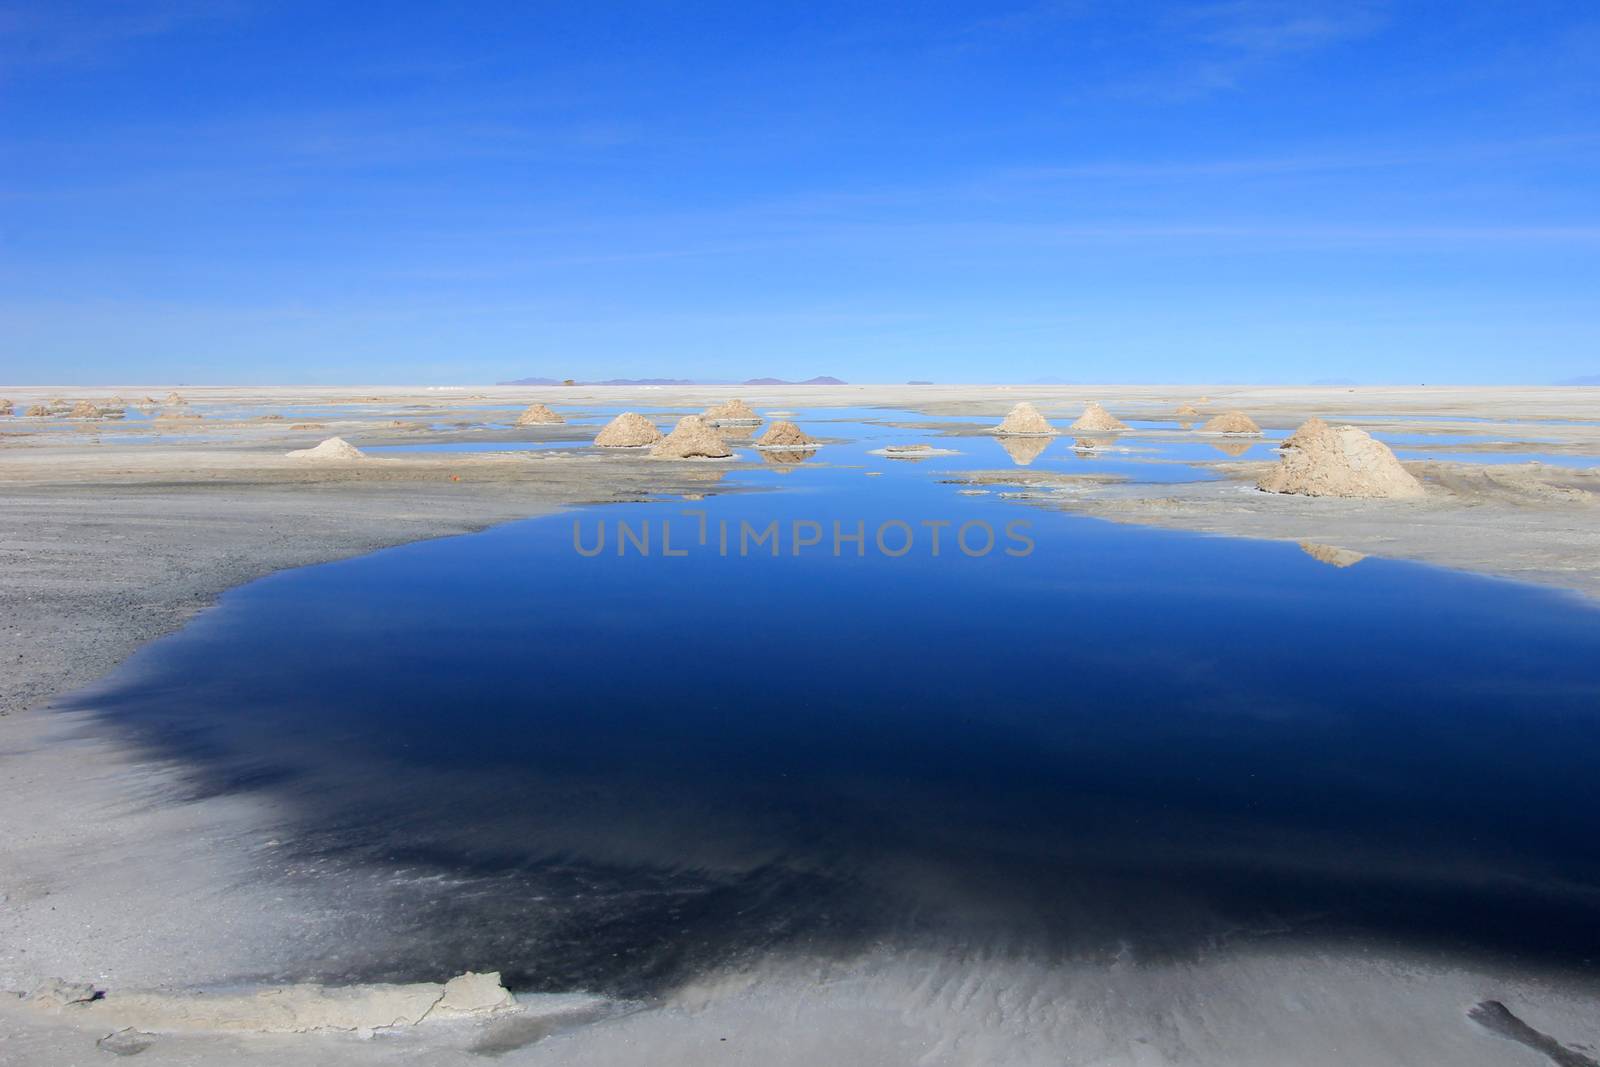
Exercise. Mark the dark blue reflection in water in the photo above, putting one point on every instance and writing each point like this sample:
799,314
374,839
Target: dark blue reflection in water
1129,740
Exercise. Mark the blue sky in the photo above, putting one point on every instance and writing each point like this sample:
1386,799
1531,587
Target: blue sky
1242,190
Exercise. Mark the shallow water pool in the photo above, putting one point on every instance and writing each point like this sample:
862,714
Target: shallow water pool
614,759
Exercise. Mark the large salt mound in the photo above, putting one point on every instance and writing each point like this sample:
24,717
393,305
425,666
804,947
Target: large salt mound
174,400
1188,411
692,438
1308,429
538,415
786,435
333,448
1097,419
1343,462
83,409
38,411
7,407
628,430
733,411
1231,422
1024,420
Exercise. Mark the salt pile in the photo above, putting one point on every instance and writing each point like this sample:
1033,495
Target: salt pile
174,400
334,448
1089,444
1321,460
733,411
538,415
628,430
7,407
692,438
1024,420
786,435
1236,422
83,409
1188,411
1308,429
1097,419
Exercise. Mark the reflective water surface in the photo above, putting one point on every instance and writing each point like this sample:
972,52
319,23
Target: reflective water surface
616,771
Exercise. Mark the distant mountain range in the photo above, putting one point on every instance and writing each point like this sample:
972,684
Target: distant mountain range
819,380
611,381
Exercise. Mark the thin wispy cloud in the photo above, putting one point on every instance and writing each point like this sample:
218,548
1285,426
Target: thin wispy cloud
1260,28
59,34
1222,47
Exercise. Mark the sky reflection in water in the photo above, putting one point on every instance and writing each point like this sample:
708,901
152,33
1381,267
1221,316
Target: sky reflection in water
631,769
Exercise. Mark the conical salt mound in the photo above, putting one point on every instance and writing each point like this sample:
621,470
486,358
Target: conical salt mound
1097,419
1308,429
334,448
38,411
7,407
786,435
538,415
1343,461
1024,420
733,411
1232,422
628,430
83,409
1188,411
175,400
692,438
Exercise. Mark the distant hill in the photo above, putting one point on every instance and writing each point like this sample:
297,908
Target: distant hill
819,380
620,381
1582,379
647,381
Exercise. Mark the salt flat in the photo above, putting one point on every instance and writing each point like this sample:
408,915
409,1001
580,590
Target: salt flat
113,536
